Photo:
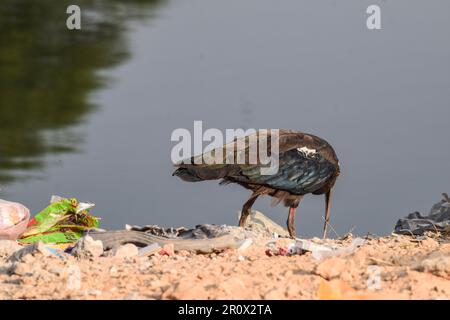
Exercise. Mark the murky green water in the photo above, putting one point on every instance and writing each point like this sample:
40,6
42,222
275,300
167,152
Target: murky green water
89,113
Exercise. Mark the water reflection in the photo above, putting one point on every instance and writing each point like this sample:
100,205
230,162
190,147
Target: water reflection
381,98
48,72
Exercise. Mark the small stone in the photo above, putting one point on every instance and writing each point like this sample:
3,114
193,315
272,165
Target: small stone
6,268
22,269
39,274
155,284
173,272
235,287
87,247
33,249
29,258
439,265
145,265
292,290
186,290
56,271
113,272
73,273
93,292
429,243
274,294
332,268
126,251
8,248
184,253
288,273
132,296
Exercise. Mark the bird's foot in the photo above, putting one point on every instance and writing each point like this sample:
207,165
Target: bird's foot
292,232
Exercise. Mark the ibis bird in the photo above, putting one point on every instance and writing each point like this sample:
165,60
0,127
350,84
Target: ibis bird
307,164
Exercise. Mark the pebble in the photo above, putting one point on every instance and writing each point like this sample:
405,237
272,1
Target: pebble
87,247
186,290
8,248
93,292
113,272
332,267
128,250
274,294
22,269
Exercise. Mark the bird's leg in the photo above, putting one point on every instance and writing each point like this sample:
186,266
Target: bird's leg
327,212
291,222
246,209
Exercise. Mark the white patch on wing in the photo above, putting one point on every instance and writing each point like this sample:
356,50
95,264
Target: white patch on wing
307,151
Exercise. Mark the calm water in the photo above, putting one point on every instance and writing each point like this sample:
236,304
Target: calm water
89,114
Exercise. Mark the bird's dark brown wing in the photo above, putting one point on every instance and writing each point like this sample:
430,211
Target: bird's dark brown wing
241,147
306,163
299,173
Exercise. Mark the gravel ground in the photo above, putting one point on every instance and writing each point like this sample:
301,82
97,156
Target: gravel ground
394,267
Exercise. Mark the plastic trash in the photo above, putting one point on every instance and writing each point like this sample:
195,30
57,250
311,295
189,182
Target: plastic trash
14,218
438,220
63,221
149,250
318,251
322,251
244,245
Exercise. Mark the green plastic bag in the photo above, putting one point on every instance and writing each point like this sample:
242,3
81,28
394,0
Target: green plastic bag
63,221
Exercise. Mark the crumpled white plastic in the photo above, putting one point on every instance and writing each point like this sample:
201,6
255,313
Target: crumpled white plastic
14,219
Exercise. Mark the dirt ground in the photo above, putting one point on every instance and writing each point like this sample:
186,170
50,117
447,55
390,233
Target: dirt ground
394,267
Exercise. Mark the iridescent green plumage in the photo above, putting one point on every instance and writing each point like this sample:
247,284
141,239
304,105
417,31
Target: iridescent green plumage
307,164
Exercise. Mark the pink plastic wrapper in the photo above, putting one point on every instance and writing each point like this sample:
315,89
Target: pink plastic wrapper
14,219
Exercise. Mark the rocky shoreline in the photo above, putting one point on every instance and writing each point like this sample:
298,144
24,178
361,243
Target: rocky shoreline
392,267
